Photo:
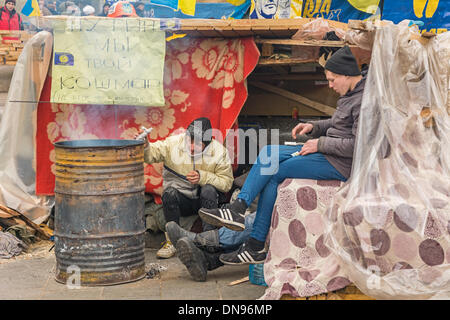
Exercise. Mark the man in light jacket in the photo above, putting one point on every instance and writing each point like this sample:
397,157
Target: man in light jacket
197,171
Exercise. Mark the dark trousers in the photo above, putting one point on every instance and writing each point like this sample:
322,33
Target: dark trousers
176,205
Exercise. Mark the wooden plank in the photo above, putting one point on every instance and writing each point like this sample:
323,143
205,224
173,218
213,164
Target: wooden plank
16,32
244,33
194,24
244,24
283,34
239,281
313,43
11,41
289,77
283,61
26,220
210,33
294,96
5,215
366,25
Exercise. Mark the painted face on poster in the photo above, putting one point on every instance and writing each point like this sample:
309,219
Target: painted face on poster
266,8
284,9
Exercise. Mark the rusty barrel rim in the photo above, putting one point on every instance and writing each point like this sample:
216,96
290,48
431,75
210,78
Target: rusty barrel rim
98,143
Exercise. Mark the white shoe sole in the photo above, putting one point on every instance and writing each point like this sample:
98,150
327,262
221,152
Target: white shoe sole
219,222
165,256
240,263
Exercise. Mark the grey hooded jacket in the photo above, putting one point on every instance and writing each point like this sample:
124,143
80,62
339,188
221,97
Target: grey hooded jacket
337,135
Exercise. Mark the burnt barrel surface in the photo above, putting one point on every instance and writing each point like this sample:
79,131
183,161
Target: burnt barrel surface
99,211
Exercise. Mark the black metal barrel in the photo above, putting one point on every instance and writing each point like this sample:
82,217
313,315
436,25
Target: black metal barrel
99,211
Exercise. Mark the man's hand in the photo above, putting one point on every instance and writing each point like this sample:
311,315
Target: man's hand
193,177
310,146
301,128
145,140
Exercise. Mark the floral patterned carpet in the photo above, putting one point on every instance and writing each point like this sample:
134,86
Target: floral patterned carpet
202,78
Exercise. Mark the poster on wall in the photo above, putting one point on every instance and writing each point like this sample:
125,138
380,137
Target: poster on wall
233,9
276,9
434,14
341,10
185,6
108,62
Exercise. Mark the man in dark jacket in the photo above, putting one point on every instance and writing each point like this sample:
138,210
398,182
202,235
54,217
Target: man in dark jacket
326,156
9,18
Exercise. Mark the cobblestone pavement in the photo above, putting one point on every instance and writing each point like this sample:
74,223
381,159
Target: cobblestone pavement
31,276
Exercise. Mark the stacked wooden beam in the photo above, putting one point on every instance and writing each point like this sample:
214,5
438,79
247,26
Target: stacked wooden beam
11,45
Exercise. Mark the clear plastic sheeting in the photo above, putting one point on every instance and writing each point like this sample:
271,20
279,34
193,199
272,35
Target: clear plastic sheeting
363,39
314,30
390,224
17,130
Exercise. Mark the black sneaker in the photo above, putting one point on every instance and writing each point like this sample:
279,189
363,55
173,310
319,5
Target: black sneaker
193,259
230,215
243,255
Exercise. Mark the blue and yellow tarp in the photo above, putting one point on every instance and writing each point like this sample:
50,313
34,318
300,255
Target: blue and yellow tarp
435,14
339,10
186,9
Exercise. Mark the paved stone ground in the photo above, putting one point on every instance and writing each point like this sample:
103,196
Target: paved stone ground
32,277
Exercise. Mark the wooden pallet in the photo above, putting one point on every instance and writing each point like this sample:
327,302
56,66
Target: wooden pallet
10,49
350,292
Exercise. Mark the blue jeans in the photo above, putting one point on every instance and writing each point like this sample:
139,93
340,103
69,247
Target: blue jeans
273,165
230,240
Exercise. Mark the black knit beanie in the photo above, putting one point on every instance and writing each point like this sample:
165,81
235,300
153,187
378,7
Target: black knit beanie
343,62
200,130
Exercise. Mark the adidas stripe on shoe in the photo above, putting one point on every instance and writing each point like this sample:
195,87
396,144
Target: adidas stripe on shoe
243,255
223,217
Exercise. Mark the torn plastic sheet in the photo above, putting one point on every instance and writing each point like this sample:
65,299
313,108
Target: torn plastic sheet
390,224
17,131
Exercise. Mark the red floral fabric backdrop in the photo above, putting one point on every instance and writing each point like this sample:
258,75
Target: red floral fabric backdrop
203,77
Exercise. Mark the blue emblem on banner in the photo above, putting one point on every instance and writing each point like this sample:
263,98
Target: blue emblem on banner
64,59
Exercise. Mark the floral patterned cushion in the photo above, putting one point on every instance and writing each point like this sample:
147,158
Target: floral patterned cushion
298,262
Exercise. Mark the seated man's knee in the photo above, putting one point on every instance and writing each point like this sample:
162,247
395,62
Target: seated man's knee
209,196
170,195
208,191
